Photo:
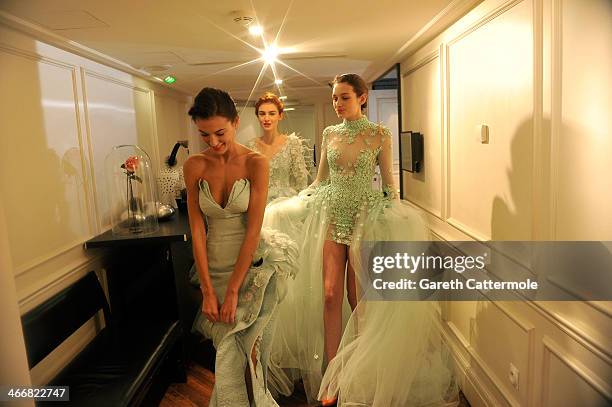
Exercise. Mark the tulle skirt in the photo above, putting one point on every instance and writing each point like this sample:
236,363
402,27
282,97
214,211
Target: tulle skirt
391,353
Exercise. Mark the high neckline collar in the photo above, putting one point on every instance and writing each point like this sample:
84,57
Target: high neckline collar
350,123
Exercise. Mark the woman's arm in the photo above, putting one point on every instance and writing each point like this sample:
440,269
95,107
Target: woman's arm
193,168
298,171
323,171
257,165
385,162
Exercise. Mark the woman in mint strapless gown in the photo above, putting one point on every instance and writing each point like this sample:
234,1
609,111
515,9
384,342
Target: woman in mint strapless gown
390,353
242,267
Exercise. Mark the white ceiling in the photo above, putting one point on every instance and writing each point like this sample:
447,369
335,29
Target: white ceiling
198,38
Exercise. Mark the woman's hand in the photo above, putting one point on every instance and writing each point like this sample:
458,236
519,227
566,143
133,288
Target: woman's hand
210,306
228,309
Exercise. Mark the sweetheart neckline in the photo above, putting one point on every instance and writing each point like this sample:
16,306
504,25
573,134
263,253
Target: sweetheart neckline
229,197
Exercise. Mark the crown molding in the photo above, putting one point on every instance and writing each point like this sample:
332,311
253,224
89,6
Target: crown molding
444,19
47,36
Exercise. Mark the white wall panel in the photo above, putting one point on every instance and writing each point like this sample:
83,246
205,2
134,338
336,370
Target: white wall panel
117,113
547,105
562,371
172,126
490,82
583,141
42,180
60,115
249,126
422,112
501,338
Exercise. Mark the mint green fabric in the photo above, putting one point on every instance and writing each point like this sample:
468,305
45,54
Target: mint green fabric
288,171
391,353
259,295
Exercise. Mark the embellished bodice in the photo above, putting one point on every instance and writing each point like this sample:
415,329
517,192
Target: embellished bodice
353,148
288,172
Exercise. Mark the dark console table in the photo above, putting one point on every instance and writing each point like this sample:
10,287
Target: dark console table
148,278
148,285
148,275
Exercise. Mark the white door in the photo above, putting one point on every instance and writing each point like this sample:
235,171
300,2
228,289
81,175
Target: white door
382,108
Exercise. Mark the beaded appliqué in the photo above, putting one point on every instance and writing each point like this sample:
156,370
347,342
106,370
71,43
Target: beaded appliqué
350,192
288,168
352,128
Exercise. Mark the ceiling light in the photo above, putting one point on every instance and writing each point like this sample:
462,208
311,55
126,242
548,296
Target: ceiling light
278,81
170,79
269,54
282,97
288,109
255,29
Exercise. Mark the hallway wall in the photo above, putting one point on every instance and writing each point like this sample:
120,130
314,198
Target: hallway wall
537,73
61,114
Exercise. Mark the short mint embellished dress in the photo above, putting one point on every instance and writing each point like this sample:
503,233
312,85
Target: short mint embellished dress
391,354
274,261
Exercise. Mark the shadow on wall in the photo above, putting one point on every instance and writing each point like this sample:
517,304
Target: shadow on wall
500,330
495,338
33,172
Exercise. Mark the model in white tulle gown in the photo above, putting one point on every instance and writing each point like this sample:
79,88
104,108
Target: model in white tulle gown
391,353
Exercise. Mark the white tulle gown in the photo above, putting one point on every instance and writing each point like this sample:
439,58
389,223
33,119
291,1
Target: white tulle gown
391,353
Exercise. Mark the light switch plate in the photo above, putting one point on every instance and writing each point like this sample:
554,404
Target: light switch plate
513,375
484,134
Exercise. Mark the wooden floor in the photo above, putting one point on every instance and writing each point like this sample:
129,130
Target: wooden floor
200,381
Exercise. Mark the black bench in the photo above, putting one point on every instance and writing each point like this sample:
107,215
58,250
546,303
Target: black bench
124,365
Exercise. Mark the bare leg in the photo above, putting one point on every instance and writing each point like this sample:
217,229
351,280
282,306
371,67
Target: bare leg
334,264
351,283
247,372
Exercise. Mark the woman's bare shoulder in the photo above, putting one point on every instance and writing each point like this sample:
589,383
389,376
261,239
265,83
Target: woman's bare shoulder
195,163
256,161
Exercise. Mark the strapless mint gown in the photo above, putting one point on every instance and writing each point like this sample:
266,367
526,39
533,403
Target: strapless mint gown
263,288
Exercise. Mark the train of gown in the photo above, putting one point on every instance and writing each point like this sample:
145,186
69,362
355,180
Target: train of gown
391,353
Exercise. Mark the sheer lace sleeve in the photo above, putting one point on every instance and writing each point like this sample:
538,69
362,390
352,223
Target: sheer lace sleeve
323,171
298,170
385,162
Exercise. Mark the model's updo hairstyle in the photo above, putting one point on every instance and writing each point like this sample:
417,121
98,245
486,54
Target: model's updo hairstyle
211,102
356,81
269,97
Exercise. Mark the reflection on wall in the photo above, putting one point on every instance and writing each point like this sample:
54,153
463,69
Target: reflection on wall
61,115
42,176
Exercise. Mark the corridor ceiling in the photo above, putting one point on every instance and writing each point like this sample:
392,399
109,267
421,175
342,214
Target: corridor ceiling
200,44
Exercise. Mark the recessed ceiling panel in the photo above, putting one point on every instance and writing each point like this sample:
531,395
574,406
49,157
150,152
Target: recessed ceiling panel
67,20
